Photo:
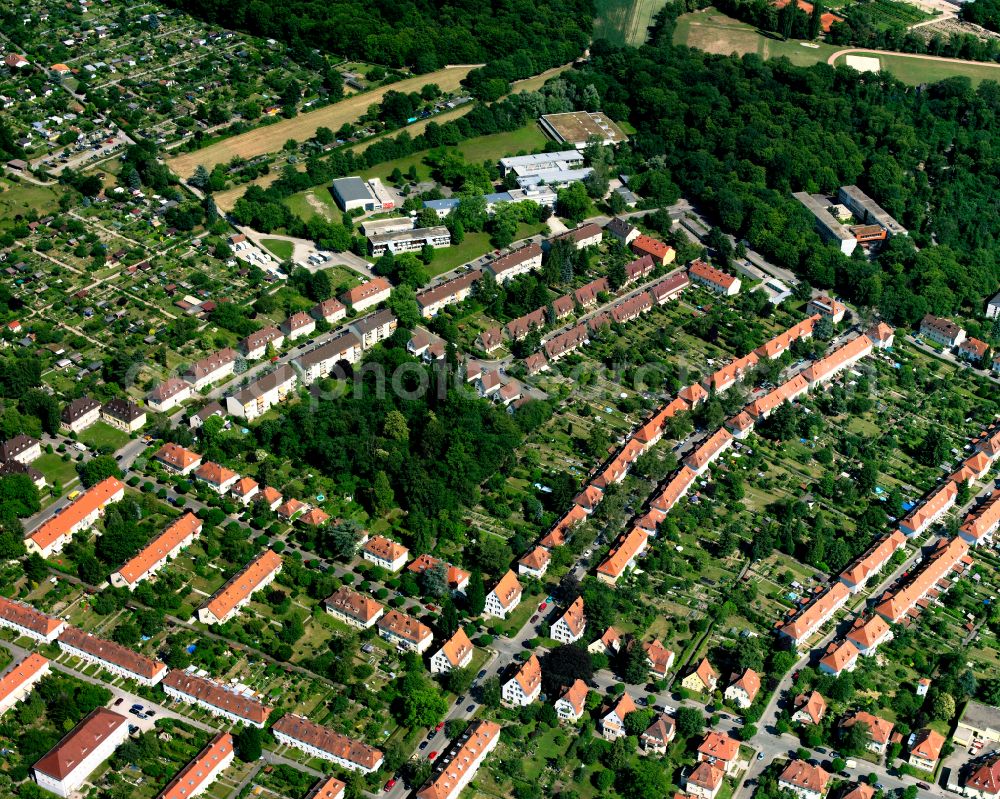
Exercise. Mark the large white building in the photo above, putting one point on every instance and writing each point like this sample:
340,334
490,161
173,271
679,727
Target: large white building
71,761
570,627
212,368
168,395
51,536
410,240
455,654
324,743
525,686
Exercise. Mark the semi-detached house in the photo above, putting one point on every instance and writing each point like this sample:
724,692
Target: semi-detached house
324,743
166,546
353,608
185,686
212,368
230,599
112,657
123,414
405,632
254,346
51,536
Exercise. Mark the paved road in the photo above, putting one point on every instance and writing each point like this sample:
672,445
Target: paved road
950,357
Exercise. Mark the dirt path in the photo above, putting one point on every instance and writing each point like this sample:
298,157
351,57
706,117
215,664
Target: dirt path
862,51
271,138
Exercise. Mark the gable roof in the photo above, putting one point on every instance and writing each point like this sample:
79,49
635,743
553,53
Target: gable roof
538,558
985,778
576,696
879,729
529,676
806,776
508,590
457,647
354,604
928,744
813,704
78,743
243,583
574,617
622,707
719,746
157,549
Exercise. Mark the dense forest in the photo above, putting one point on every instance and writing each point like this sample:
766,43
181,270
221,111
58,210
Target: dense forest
519,37
739,135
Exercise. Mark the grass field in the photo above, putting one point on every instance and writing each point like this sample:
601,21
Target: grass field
101,434
16,199
271,138
714,32
477,150
927,70
625,22
280,249
473,246
56,469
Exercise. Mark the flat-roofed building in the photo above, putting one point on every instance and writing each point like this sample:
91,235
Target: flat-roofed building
324,743
410,240
158,552
230,599
580,128
353,194
52,535
195,778
521,165
70,762
827,225
869,212
385,198
111,657
978,721
217,699
17,683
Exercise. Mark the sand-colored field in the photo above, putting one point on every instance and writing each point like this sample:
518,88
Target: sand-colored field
271,138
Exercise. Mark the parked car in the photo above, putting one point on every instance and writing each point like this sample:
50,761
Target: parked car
432,755
924,785
390,784
423,745
119,700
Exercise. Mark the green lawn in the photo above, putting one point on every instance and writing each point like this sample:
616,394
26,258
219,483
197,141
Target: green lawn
473,246
280,249
56,469
317,200
476,150
926,70
20,198
101,434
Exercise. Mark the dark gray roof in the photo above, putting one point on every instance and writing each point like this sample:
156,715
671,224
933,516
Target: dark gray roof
352,188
